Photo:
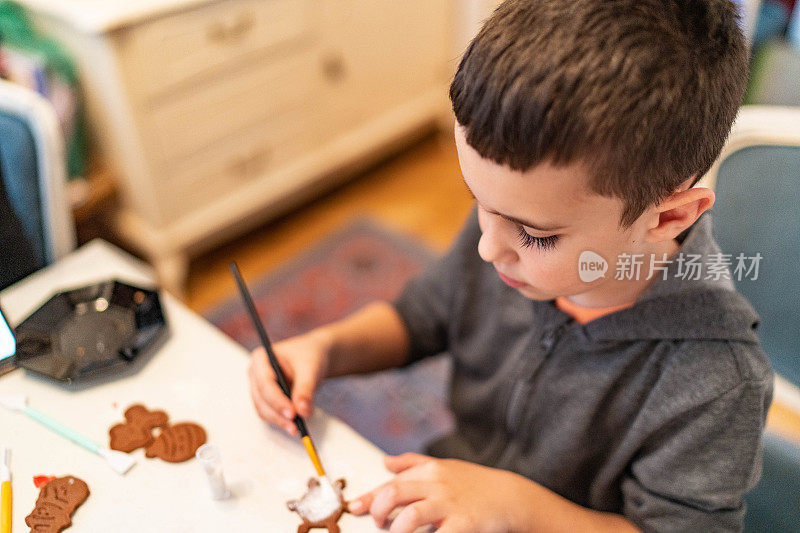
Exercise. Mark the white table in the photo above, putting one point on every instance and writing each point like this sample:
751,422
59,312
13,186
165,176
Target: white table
198,374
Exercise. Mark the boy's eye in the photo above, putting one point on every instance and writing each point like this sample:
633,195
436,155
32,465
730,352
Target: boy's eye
543,243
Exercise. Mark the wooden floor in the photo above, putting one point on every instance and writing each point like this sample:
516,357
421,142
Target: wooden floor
419,192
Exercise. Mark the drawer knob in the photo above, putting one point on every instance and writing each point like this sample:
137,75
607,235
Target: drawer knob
251,165
333,66
219,32
258,162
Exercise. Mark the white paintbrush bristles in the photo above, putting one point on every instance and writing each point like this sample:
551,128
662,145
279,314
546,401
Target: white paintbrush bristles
119,462
5,464
15,402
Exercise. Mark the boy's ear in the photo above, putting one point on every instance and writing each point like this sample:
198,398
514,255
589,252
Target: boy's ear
679,211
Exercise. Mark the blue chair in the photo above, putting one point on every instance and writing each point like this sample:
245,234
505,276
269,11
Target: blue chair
37,227
774,505
749,11
757,211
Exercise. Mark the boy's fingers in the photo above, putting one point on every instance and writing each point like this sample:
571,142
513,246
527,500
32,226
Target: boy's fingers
394,494
398,463
415,516
259,367
262,366
303,392
263,379
275,397
357,506
258,352
361,504
267,413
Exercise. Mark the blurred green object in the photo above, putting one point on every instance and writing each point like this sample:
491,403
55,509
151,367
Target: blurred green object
775,75
16,31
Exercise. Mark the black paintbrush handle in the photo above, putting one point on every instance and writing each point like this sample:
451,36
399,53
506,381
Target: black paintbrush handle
262,333
301,425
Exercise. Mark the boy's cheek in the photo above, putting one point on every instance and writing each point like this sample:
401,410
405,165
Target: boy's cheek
548,274
549,287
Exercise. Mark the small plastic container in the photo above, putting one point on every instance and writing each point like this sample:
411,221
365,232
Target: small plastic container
209,457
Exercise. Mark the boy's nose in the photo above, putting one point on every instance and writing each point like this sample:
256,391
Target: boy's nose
493,246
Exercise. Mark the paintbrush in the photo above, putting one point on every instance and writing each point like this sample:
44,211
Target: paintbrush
279,376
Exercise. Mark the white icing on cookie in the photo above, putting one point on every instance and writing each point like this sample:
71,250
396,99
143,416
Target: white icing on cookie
319,502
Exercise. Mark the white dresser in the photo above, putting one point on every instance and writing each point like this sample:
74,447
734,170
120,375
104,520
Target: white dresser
218,114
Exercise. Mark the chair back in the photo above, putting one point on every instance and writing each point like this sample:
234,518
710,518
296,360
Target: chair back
774,505
757,214
37,223
757,185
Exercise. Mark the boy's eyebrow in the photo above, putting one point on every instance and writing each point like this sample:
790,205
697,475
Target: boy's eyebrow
526,223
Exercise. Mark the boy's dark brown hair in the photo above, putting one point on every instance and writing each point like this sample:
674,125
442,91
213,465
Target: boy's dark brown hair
644,92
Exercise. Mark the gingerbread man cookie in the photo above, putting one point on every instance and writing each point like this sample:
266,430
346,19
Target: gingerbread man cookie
137,431
57,500
177,443
318,508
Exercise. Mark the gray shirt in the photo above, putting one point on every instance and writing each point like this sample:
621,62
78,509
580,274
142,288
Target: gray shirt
655,411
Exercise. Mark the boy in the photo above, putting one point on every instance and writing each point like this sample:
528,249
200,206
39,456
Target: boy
630,398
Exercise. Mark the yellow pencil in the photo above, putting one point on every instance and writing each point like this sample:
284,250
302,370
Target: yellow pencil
5,490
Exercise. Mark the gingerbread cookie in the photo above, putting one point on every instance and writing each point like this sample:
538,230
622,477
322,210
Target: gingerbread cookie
57,500
177,443
137,431
320,507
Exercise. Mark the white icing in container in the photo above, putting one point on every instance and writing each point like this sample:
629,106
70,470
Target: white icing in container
209,457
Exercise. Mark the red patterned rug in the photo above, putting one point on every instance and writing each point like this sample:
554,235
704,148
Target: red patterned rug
398,410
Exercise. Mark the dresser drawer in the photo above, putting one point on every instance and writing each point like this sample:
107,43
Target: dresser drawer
195,120
235,162
179,47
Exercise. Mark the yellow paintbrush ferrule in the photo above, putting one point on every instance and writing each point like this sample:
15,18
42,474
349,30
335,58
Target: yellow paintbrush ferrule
312,453
5,489
5,507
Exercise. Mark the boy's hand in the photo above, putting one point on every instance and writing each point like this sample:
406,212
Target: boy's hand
454,496
304,360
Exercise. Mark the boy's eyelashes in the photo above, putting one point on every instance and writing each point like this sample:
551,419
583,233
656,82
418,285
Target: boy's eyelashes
543,243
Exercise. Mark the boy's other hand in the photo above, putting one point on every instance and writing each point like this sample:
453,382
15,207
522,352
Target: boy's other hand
304,361
453,496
